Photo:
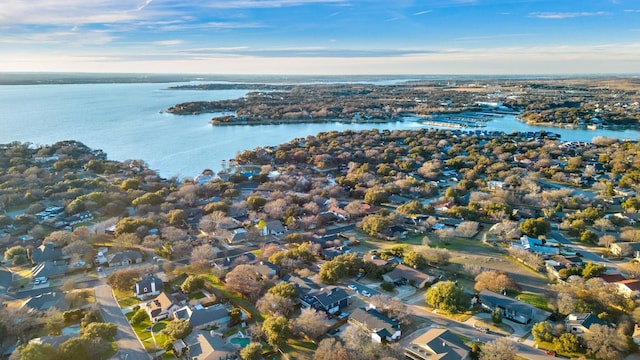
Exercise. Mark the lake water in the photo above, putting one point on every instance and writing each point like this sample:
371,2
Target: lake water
125,120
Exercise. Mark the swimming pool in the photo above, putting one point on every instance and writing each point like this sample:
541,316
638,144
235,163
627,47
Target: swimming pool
243,342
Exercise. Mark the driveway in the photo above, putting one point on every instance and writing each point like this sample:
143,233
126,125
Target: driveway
129,347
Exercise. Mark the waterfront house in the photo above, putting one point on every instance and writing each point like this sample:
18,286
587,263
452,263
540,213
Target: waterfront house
380,327
437,343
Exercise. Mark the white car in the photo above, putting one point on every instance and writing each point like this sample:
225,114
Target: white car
352,287
365,293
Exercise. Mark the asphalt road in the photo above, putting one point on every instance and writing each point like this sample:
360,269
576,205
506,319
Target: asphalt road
129,346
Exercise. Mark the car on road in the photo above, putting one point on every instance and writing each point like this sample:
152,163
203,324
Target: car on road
334,331
365,293
352,287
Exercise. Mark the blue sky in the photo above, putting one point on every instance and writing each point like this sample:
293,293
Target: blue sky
321,36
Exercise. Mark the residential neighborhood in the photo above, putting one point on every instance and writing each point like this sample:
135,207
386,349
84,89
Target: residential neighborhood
417,244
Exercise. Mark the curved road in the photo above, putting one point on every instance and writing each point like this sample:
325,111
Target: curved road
128,344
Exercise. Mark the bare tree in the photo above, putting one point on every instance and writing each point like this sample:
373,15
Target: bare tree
495,280
245,280
498,349
605,343
607,240
274,305
202,255
310,323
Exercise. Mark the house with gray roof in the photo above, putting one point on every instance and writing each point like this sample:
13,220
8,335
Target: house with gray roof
202,317
47,301
148,287
380,327
511,309
329,299
50,269
208,345
437,343
124,258
46,252
403,274
580,323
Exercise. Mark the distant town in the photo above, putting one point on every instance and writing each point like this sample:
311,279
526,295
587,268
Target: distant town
374,244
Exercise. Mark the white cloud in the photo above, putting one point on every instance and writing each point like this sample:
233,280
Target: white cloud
565,15
168,42
422,12
240,4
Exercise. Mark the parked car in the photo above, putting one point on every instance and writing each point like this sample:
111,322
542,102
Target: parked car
365,293
352,287
334,331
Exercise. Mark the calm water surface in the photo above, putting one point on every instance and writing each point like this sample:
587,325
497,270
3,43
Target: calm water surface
125,120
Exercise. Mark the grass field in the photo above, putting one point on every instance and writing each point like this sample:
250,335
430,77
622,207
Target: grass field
536,300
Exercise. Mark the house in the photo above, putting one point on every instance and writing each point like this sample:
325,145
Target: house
46,252
403,274
46,301
538,246
380,327
303,286
54,341
496,185
437,343
203,317
273,227
398,199
229,262
376,260
330,299
267,270
340,213
612,278
164,305
79,218
237,236
629,288
208,345
148,287
580,323
124,258
511,309
395,232
625,248
50,269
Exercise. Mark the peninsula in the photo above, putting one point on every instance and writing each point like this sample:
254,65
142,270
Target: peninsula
589,102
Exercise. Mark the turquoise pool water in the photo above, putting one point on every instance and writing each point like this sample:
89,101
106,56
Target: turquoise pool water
240,341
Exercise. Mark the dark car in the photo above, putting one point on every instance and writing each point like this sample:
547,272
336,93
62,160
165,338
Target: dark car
334,331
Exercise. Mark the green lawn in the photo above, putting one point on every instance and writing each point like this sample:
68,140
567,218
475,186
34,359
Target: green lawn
129,301
536,300
197,295
145,335
299,349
